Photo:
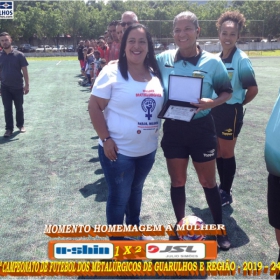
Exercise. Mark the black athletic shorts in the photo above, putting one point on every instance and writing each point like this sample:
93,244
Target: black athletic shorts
273,200
228,120
196,138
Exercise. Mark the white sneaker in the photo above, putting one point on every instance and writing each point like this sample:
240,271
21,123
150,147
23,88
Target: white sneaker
146,237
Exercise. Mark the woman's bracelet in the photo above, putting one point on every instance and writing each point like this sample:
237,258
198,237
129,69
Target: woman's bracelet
104,140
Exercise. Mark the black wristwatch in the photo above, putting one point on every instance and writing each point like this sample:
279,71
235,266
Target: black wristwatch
104,140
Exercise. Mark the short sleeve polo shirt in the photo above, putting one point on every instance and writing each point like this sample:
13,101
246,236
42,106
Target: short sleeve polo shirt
10,66
241,74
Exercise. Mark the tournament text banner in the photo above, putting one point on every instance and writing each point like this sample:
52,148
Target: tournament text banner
61,231
136,268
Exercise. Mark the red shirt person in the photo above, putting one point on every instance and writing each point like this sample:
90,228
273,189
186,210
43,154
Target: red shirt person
114,52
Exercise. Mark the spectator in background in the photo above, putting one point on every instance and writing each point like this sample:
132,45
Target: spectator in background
85,68
106,35
112,30
13,70
103,62
81,54
103,49
114,51
85,49
87,43
109,43
87,82
101,66
128,18
89,60
119,31
272,159
93,44
97,61
88,69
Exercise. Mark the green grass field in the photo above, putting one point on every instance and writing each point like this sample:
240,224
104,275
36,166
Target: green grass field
51,174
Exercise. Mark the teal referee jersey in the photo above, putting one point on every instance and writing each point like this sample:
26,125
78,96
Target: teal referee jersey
241,74
272,140
206,65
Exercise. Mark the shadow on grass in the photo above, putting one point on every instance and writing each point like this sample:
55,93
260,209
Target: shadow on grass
235,233
98,171
6,140
94,160
99,188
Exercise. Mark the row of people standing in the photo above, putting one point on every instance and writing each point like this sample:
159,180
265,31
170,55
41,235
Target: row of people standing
127,97
107,44
93,54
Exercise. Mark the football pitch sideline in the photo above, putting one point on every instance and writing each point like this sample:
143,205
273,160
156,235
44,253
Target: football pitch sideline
51,174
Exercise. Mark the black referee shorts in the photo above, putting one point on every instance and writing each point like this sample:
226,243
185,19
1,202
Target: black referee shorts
196,138
273,201
228,120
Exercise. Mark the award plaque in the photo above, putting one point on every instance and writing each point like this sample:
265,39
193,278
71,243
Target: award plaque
182,90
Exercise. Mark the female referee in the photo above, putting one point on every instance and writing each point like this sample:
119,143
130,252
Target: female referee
196,138
229,116
272,160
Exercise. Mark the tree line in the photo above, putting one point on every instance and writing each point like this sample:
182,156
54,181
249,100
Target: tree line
79,19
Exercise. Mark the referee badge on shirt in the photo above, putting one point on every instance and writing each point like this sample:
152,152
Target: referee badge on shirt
230,73
198,74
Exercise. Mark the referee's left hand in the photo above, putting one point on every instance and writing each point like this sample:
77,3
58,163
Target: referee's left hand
203,104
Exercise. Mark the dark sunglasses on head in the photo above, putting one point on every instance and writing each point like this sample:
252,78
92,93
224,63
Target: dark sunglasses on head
123,23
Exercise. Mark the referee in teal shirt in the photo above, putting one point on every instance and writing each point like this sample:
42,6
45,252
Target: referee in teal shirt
197,138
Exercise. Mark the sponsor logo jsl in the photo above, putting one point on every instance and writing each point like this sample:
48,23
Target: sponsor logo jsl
177,251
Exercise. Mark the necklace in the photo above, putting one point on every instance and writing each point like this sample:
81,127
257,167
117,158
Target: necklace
140,77
147,79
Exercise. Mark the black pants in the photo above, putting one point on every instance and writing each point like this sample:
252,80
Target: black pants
273,200
8,96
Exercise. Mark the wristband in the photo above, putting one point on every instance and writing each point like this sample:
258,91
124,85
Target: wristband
104,140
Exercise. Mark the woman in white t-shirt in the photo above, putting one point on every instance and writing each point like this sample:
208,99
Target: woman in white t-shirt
126,99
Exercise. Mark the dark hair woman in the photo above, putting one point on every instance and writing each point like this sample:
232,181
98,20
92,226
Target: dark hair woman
196,138
229,116
126,99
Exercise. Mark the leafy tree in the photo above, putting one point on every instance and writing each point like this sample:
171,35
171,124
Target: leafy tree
80,19
208,15
263,17
75,20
